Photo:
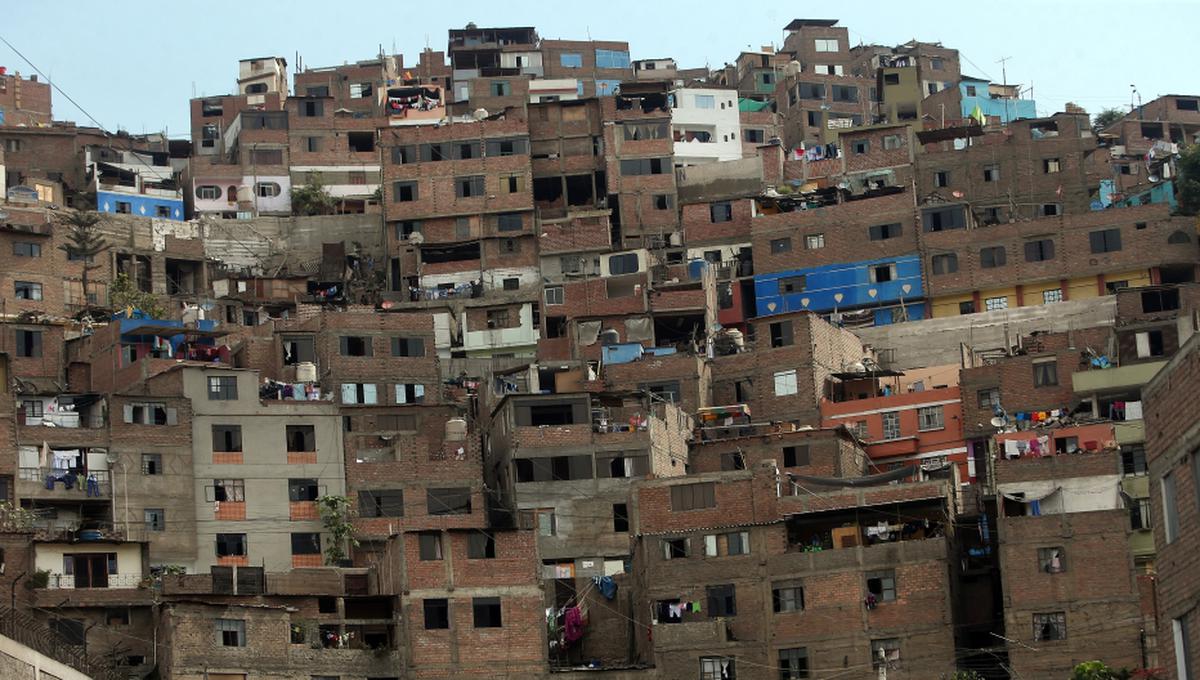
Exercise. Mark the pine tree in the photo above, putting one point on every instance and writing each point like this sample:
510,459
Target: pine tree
84,242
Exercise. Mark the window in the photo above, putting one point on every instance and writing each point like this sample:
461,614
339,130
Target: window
792,284
991,173
941,178
448,501
227,438
753,136
231,632
1039,251
152,464
989,398
381,503
1050,209
882,584
620,513
944,219
1105,240
499,88
736,543
882,273
612,59
721,600
930,418
1183,654
403,192
25,249
663,201
467,187
229,490
721,211
644,166
360,393
891,425
705,101
1053,295
733,461
861,146
882,232
1170,507
156,519
825,45
1050,165
795,456
1163,300
553,295
429,546
1052,560
793,663
409,393
993,256
676,548
266,189
303,490
623,264
946,263
785,383
29,343
787,596
781,333
306,543
437,613
481,546
510,222
693,496
1051,626
1133,461
28,290
231,545
781,245
126,208
717,668
515,146
892,142
570,60
222,387
1139,514
885,653
12,144
1045,373
208,192
891,79
814,241
487,612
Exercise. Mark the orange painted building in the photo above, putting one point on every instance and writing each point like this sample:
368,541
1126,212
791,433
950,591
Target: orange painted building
921,428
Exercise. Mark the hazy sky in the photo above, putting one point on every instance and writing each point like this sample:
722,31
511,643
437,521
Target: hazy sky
135,64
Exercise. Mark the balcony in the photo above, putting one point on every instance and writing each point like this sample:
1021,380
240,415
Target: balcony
1131,376
707,634
69,582
46,483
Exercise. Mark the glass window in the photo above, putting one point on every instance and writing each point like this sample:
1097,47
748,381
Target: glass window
612,59
222,387
930,418
570,60
706,101
891,425
1050,626
787,596
882,584
793,663
231,632
785,383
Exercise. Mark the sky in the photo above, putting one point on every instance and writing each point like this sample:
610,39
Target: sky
134,65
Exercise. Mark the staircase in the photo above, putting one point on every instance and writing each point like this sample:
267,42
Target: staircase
28,631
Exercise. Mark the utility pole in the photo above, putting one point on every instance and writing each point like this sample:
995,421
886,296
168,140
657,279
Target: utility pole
1004,78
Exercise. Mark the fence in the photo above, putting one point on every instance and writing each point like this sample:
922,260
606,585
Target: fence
30,632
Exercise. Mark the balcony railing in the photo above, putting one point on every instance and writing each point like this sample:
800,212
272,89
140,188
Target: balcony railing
67,581
63,419
93,484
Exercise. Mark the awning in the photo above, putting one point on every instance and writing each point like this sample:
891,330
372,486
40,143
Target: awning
869,480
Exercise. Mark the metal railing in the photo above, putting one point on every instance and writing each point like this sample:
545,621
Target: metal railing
28,631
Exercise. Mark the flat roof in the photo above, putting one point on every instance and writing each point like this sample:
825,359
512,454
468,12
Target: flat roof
801,23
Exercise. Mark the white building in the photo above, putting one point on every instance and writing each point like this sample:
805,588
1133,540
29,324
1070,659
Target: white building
706,126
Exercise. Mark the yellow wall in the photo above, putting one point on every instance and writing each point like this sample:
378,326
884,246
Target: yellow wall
1083,288
49,556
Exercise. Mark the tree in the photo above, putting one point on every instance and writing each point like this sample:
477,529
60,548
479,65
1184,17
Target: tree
1098,670
1105,118
84,242
122,293
1188,182
335,517
312,198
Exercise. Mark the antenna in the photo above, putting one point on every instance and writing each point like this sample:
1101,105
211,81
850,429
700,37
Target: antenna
1004,77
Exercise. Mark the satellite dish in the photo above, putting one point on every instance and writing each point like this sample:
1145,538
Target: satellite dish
111,458
999,422
1153,178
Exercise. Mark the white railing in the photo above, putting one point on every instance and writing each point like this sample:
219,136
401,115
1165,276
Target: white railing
67,581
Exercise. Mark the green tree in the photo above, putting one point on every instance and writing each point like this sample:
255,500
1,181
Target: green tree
1188,182
312,198
84,242
335,517
124,294
1098,670
1106,117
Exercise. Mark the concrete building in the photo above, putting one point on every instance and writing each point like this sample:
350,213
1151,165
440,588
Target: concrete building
705,126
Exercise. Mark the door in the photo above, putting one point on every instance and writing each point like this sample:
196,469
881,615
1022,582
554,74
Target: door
91,571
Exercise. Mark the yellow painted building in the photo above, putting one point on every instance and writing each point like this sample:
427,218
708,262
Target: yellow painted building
1038,293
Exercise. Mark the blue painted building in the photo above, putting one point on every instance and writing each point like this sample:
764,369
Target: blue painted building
882,284
975,92
141,205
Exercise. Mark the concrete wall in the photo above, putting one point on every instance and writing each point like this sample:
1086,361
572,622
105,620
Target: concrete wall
264,467
936,341
18,662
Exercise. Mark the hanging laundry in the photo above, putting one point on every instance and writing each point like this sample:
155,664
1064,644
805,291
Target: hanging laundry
606,585
572,624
